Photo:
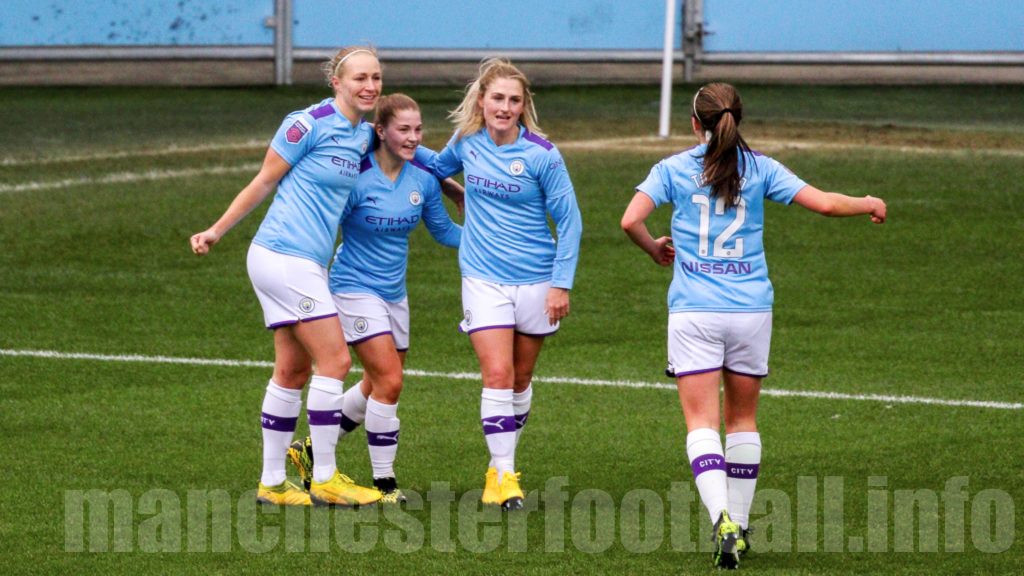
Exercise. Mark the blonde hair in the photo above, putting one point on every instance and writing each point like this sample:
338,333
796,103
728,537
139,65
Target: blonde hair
468,117
334,66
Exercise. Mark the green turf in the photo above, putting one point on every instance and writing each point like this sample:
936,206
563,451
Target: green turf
927,305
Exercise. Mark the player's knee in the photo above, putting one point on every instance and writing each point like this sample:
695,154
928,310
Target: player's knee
336,366
498,376
523,379
388,387
292,377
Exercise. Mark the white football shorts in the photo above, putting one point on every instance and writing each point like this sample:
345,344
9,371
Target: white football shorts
705,341
290,289
364,316
488,305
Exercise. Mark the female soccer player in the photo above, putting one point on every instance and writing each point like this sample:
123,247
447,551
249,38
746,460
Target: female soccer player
313,161
393,195
720,299
515,277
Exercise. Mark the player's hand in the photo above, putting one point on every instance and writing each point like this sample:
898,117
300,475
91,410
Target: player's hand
877,210
664,253
557,305
202,241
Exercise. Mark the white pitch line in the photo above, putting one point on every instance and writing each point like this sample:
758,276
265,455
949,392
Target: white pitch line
550,379
124,177
168,151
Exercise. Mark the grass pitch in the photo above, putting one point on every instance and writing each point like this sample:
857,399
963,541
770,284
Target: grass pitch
100,189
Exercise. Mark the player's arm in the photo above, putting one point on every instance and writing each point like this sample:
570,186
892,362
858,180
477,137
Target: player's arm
456,193
274,168
561,204
438,223
634,224
835,204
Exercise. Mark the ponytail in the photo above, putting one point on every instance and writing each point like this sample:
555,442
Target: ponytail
718,109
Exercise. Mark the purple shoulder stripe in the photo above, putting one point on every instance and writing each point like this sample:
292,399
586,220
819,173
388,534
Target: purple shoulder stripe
420,165
323,111
756,152
538,140
365,164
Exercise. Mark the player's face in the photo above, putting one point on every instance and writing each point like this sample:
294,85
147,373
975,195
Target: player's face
403,134
359,86
502,105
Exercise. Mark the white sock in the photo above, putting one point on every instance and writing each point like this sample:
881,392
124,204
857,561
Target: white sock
742,461
704,448
497,418
281,408
521,407
521,410
382,427
353,409
323,407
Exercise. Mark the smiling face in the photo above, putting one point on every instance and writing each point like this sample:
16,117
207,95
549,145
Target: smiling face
502,105
402,134
357,85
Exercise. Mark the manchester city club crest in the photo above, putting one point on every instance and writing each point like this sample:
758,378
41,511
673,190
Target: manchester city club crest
360,325
516,167
363,147
469,317
306,305
415,198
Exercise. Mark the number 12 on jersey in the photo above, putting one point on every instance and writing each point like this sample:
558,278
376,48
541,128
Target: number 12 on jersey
720,250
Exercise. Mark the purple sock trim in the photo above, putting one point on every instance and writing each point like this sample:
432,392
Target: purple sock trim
745,373
521,419
490,328
365,338
692,372
324,417
382,438
348,424
498,424
278,423
706,463
748,471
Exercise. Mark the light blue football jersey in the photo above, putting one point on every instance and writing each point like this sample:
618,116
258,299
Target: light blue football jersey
720,264
376,224
324,150
510,190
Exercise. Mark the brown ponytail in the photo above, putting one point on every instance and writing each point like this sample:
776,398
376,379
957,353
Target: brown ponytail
718,109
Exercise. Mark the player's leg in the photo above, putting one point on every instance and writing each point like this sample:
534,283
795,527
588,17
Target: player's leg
382,367
325,343
746,365
526,350
742,447
490,320
282,307
282,404
696,352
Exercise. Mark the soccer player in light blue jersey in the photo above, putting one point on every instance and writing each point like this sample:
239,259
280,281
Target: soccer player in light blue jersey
313,163
720,298
515,276
393,194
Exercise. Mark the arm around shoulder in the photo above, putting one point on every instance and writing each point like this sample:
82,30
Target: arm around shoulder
837,205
